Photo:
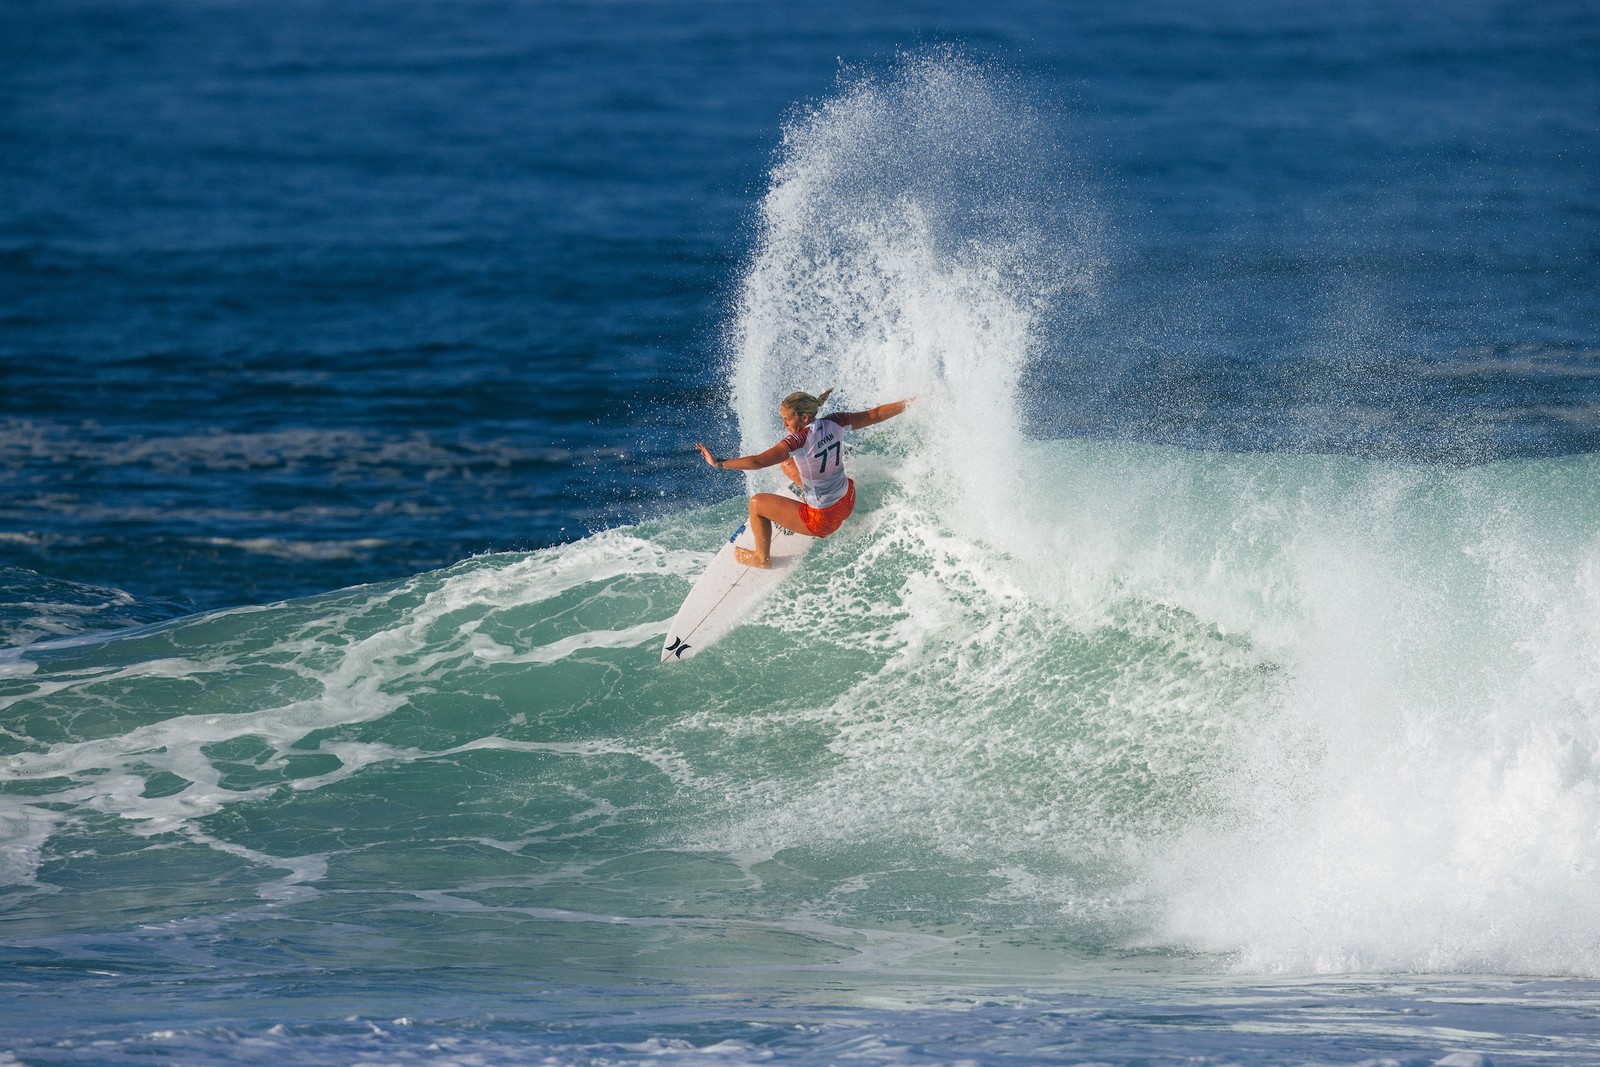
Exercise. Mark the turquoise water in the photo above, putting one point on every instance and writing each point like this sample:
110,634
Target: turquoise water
932,769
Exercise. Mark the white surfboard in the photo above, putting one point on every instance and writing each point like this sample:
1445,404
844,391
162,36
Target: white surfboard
728,591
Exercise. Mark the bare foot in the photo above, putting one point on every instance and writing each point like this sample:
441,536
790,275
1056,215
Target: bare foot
748,557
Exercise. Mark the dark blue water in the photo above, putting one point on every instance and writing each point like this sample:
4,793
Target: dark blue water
1263,647
302,295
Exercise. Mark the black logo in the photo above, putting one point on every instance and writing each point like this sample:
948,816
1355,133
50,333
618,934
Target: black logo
678,647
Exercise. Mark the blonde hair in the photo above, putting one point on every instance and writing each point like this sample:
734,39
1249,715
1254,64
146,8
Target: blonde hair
804,404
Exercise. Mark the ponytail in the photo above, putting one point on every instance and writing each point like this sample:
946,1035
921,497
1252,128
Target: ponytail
804,404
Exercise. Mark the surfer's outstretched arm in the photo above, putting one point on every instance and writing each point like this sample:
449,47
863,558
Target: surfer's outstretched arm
860,420
762,460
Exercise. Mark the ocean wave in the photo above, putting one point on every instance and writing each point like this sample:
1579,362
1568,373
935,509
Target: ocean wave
1308,715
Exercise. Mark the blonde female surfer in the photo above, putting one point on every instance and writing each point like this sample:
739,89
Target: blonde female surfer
813,458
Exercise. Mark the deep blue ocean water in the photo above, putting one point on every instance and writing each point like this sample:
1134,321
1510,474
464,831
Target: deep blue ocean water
1211,673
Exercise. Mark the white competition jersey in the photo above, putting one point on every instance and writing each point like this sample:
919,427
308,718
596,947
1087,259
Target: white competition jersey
818,451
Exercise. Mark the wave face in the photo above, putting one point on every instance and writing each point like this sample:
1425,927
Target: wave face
1039,698
1302,713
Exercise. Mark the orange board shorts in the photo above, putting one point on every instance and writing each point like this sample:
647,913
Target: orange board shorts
823,521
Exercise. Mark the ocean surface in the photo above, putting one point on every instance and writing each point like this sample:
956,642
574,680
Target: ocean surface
1209,675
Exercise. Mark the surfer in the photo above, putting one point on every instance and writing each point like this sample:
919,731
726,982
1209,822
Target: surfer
812,456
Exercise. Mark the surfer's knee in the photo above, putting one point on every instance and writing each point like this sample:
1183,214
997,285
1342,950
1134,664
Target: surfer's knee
766,506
